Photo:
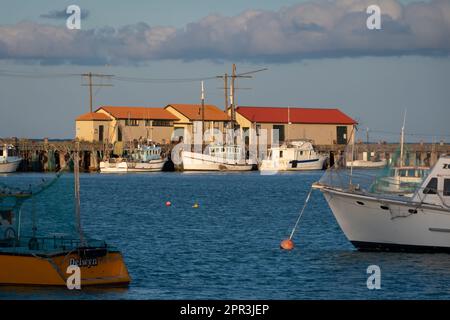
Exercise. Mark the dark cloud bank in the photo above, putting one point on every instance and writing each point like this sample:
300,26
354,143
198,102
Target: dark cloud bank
62,14
315,29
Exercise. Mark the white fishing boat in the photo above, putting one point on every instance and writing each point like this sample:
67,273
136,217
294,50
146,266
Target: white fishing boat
401,180
217,158
297,155
376,221
9,160
143,159
367,164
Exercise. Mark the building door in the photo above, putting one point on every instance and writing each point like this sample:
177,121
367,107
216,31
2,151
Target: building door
341,134
100,133
119,134
280,130
246,133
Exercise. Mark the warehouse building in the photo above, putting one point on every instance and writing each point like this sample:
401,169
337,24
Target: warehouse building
322,126
113,123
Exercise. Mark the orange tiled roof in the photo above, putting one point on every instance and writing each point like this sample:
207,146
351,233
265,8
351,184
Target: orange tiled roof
138,113
92,116
194,112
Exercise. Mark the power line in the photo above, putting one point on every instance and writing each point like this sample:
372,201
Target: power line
90,84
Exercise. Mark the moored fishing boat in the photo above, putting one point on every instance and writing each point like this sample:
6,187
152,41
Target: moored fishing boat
297,155
399,177
217,158
9,160
367,164
143,159
402,180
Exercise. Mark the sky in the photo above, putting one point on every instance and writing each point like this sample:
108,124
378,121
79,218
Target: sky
319,54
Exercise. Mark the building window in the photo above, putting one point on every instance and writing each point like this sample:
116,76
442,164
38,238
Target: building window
431,187
341,134
131,122
162,123
447,187
148,123
258,129
278,133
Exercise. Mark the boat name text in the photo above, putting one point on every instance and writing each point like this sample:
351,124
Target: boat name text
84,262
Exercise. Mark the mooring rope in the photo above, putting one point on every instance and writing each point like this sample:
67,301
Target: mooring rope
301,213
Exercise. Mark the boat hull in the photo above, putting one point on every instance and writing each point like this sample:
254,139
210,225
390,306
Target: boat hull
199,162
294,165
364,164
27,269
124,167
389,225
10,166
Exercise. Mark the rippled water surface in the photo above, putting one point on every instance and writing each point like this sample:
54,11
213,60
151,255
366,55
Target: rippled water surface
228,248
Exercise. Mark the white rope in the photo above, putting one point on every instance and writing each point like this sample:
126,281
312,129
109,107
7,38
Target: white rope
301,213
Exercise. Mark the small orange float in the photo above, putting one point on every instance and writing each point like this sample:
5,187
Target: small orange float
287,244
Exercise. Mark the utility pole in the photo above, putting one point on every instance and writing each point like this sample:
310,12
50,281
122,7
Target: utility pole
232,101
368,146
232,98
225,87
232,95
203,112
90,84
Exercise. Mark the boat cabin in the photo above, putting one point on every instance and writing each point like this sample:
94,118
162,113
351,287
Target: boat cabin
226,151
146,153
436,187
296,150
7,151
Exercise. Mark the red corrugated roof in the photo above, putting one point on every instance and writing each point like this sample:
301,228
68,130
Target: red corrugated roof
294,115
194,112
93,116
138,113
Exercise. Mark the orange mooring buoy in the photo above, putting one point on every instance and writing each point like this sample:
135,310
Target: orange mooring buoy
168,204
287,244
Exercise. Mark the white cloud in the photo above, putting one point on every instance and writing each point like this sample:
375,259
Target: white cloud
313,29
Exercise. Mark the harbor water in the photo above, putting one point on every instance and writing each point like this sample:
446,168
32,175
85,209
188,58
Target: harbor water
228,247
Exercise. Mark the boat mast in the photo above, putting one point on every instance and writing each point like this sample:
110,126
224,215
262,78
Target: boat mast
203,113
402,140
368,146
353,155
76,172
232,105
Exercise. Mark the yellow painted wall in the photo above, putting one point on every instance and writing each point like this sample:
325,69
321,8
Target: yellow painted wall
188,125
156,134
89,130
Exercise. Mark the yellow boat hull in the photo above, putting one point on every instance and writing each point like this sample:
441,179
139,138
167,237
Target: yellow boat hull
27,269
